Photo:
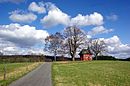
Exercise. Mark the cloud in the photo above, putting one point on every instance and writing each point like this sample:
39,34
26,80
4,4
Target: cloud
57,17
99,30
9,48
22,36
115,41
39,8
92,19
4,44
12,1
14,50
112,17
117,48
18,16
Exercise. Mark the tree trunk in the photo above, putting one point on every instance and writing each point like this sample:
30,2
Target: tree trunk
96,56
73,57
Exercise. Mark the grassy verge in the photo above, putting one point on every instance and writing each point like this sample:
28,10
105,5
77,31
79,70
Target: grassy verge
15,71
94,73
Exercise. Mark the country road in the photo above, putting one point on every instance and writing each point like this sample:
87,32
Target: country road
41,76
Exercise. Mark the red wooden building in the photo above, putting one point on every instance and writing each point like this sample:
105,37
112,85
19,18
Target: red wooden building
85,55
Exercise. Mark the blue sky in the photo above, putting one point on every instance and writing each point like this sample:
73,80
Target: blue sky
106,8
115,13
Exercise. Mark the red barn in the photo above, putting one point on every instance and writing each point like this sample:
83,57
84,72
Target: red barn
85,55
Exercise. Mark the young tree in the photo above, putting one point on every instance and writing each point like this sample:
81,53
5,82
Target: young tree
97,46
73,37
53,43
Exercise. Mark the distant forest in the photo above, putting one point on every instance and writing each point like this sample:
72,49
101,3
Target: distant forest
43,58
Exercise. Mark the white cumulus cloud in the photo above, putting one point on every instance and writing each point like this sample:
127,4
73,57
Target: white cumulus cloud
22,36
92,19
117,48
57,17
37,8
99,30
113,41
17,16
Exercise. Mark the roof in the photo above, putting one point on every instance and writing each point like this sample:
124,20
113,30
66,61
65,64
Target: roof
85,51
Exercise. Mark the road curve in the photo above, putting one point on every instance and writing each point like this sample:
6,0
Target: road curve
41,76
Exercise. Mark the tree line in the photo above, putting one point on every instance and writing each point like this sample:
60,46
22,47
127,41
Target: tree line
21,58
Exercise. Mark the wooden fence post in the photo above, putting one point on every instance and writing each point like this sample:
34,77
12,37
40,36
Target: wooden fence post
4,71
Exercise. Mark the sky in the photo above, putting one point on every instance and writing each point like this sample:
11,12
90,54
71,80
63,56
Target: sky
24,24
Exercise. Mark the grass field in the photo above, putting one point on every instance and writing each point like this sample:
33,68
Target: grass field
94,73
14,71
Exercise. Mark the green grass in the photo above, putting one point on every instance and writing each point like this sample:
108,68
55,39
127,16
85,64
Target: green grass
94,73
11,67
15,71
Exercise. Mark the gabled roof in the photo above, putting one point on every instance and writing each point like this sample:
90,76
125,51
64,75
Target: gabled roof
85,51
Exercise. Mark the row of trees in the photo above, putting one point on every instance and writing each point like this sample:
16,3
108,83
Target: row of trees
71,40
21,58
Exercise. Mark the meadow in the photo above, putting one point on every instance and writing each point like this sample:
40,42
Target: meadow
15,71
91,73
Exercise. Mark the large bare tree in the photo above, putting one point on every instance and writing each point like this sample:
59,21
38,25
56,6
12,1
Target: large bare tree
74,37
97,46
53,43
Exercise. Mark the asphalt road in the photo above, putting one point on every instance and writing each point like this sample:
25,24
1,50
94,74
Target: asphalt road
41,76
